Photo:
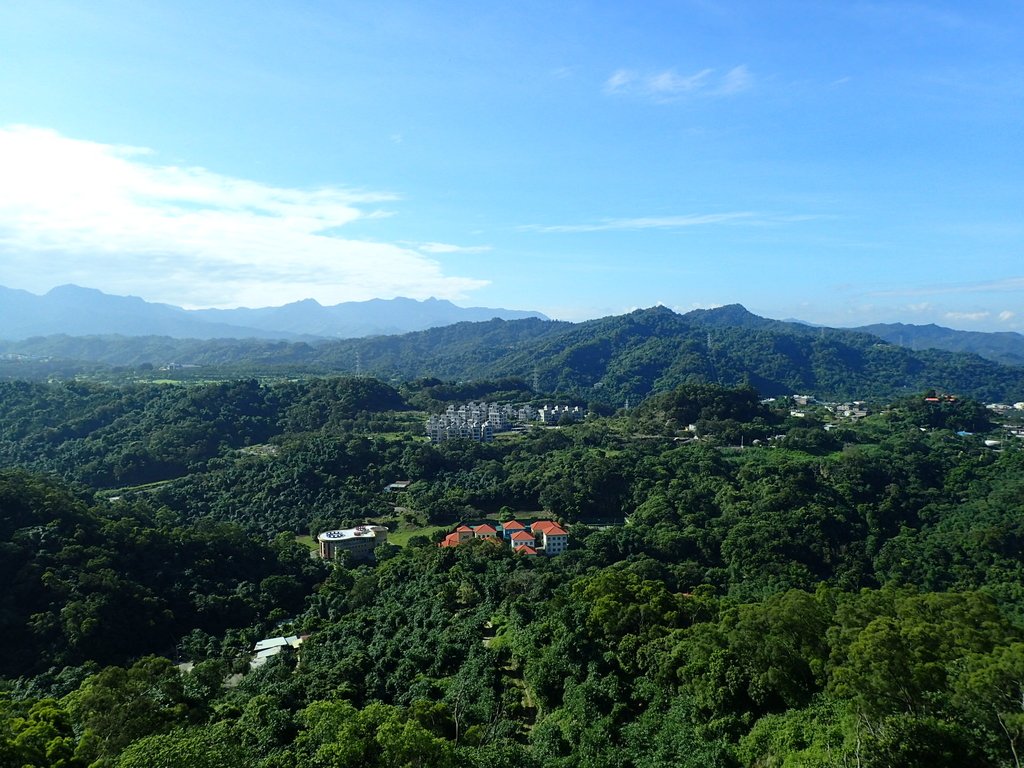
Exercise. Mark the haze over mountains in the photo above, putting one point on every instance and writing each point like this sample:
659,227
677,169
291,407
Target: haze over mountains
77,311
611,360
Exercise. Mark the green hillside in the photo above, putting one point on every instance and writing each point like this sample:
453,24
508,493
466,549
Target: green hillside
606,360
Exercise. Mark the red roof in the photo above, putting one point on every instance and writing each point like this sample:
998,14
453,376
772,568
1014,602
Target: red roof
463,528
513,525
521,536
555,530
451,540
485,528
522,549
543,525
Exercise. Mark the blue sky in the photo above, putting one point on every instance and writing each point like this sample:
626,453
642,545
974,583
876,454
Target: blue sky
838,162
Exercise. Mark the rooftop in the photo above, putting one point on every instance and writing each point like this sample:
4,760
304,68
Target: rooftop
360,531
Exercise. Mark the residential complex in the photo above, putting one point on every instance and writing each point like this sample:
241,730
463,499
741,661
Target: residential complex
544,537
480,421
553,414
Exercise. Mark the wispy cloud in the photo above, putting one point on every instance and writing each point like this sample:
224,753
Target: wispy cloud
748,218
1003,285
106,215
449,248
972,317
668,85
735,80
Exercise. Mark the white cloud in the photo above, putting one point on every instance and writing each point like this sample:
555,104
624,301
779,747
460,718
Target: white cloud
1006,315
107,216
449,248
748,218
668,85
972,317
620,81
735,80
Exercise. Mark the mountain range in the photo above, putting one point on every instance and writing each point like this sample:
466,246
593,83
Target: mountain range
1002,346
77,311
609,360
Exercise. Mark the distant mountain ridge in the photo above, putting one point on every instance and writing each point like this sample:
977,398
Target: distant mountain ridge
76,311
610,360
1005,347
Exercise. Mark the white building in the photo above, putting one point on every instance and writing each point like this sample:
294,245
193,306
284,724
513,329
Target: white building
552,414
552,538
272,646
359,541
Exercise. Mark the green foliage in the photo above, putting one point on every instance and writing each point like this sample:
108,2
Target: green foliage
197,747
106,584
125,436
337,735
37,735
119,706
606,360
795,603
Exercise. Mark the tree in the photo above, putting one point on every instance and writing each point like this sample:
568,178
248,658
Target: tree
210,746
990,688
119,706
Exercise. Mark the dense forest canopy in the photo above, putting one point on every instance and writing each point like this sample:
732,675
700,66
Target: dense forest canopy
743,586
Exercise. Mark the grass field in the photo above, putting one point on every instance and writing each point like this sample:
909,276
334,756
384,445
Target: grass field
401,537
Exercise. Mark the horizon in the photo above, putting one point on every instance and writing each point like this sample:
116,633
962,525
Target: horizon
463,305
845,165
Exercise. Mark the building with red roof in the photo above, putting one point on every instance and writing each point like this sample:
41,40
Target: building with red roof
451,540
507,529
485,531
522,538
553,538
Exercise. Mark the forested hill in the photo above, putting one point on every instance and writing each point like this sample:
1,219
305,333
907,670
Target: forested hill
609,359
828,599
1003,347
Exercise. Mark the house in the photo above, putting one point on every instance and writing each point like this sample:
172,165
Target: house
398,486
359,541
485,531
552,414
553,538
511,527
272,646
522,539
461,534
